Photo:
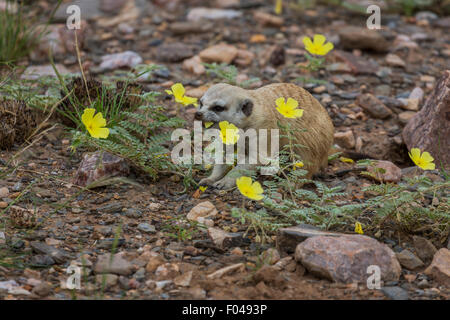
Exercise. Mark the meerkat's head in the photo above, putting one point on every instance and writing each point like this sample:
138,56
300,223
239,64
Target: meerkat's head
224,102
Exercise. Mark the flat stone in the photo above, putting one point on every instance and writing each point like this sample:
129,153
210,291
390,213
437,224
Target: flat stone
146,227
289,238
184,280
352,37
353,64
36,72
346,258
116,265
204,209
4,192
395,61
109,280
345,139
200,13
224,239
267,19
174,52
190,27
222,53
194,65
59,255
409,260
395,293
126,59
405,116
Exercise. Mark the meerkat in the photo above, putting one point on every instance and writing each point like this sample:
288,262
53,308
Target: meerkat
257,109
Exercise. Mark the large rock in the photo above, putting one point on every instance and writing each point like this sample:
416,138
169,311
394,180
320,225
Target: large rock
289,238
362,38
440,267
93,169
346,258
429,129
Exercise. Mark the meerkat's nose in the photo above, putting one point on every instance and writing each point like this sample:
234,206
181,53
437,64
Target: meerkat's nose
198,116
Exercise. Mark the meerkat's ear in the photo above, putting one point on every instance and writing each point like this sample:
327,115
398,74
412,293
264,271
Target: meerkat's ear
247,107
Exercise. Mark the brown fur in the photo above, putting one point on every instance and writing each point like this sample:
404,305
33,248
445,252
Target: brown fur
256,109
318,137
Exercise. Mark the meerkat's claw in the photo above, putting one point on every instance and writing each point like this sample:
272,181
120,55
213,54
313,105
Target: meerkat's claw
225,183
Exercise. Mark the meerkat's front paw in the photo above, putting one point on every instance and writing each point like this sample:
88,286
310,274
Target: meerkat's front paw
225,183
206,182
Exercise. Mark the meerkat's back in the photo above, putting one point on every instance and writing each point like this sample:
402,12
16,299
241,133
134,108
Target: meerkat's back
315,130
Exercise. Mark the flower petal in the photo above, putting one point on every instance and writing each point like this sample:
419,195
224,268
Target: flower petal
280,102
292,103
307,42
256,186
101,133
426,156
327,47
298,113
169,92
428,166
415,153
178,90
87,116
98,121
319,39
243,182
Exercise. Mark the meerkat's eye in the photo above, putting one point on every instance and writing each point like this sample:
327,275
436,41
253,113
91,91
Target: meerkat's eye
218,108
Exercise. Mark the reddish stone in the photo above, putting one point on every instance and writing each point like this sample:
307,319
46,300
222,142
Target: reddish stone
346,258
93,169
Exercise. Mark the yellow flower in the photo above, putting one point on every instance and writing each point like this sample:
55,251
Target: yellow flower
346,160
358,228
289,108
298,165
279,6
178,92
208,124
319,46
250,189
203,188
95,125
424,161
228,132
